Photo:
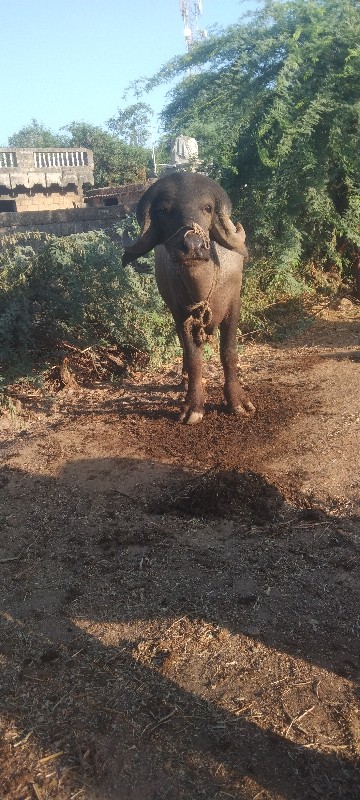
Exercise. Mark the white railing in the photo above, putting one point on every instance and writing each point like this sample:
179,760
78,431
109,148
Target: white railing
8,159
58,158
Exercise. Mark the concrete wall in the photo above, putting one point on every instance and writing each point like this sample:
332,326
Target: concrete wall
61,223
36,179
127,195
44,199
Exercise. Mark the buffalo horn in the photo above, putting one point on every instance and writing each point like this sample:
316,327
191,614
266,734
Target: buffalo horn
225,233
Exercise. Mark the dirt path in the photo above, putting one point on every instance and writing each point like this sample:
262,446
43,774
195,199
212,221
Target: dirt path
180,605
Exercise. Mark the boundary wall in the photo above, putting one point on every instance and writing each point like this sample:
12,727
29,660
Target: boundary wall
61,222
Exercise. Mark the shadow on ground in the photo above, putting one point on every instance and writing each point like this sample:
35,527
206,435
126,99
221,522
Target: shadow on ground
168,655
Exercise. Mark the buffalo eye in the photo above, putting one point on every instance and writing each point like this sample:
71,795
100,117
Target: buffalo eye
162,212
208,208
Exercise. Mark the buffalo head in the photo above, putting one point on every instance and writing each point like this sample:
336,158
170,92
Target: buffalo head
184,212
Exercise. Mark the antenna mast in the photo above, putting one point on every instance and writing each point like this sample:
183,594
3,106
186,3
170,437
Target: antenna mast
190,11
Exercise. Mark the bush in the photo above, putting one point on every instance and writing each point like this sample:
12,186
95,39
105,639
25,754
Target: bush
75,288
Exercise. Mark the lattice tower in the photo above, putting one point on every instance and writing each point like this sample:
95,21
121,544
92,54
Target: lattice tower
190,11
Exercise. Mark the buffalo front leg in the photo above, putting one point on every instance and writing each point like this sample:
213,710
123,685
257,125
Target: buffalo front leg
185,369
237,400
193,408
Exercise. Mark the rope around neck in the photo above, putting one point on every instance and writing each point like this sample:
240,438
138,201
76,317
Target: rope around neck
200,314
198,320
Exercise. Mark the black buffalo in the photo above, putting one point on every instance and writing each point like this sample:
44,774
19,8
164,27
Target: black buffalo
199,255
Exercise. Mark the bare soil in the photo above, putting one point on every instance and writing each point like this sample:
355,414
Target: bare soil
180,605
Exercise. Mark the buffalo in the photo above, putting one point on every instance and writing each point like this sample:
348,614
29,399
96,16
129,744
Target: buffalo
199,256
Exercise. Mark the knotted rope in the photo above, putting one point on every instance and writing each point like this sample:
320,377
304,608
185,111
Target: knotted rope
200,314
195,228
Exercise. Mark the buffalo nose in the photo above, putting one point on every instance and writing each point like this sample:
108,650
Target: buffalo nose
193,244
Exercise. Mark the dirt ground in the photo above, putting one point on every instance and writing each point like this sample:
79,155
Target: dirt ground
180,605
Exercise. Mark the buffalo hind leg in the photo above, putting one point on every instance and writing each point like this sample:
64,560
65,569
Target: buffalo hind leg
236,398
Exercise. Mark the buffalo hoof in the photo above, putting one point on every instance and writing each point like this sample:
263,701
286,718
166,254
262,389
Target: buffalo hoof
243,409
191,417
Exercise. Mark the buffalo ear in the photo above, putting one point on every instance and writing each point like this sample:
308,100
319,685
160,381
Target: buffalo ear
224,232
149,236
146,242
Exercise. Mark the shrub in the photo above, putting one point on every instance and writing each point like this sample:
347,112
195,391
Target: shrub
75,288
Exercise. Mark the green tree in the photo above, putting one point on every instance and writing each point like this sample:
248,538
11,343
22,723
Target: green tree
36,135
115,161
132,124
274,103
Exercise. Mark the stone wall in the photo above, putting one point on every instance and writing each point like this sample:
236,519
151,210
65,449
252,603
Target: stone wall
36,179
61,223
127,195
46,200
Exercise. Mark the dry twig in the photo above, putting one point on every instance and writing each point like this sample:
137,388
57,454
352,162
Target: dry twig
150,728
297,719
50,757
37,791
23,741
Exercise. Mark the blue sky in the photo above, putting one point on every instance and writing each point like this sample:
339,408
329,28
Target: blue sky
71,60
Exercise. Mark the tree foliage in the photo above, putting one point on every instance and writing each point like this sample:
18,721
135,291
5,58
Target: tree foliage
274,103
115,161
37,135
132,124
